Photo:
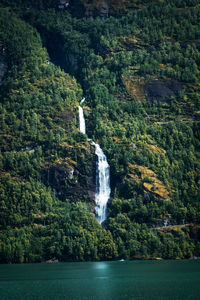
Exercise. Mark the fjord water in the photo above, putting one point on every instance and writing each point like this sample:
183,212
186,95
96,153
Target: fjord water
152,280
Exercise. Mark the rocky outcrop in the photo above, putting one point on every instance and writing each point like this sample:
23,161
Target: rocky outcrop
62,4
162,90
72,62
59,55
150,181
71,181
104,8
96,8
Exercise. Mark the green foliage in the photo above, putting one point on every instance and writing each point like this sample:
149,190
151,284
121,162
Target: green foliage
151,142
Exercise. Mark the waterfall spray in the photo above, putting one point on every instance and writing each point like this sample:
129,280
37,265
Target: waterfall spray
81,118
102,174
102,184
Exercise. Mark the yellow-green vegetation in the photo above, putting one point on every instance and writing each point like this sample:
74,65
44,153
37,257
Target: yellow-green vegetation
134,85
150,180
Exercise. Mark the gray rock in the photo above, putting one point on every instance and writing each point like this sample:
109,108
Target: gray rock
162,90
70,173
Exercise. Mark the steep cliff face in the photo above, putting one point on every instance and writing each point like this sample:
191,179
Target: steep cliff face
73,180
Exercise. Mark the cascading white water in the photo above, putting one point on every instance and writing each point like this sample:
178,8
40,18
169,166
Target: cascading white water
102,184
102,174
81,118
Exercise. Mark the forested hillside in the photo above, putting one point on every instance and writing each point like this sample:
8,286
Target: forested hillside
137,63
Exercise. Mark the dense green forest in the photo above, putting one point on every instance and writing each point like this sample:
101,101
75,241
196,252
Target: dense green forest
138,66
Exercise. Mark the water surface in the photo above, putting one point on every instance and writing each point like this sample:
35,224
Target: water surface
102,280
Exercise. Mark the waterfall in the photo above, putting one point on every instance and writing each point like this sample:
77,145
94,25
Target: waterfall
102,184
81,118
102,174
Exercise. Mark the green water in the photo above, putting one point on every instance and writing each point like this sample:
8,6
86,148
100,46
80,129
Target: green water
102,280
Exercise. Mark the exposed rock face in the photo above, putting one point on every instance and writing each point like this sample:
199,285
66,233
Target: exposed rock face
3,62
96,8
167,221
72,62
162,90
60,57
104,8
70,182
151,184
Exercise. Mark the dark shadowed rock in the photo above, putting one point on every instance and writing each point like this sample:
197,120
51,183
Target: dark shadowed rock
72,62
162,90
3,62
71,183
